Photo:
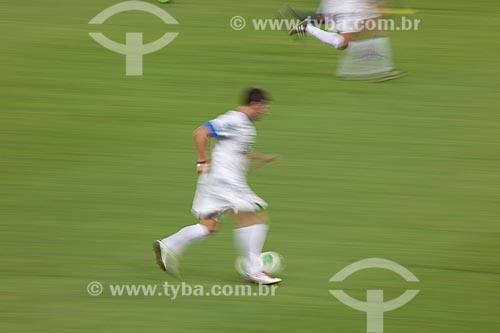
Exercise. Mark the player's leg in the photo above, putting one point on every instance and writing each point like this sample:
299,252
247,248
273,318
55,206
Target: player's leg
337,40
250,237
179,241
328,14
167,250
369,58
207,207
369,55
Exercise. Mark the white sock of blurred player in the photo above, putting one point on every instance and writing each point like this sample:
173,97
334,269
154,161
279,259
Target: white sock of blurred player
184,237
331,38
250,241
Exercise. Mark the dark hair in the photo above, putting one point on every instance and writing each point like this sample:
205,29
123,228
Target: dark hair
255,95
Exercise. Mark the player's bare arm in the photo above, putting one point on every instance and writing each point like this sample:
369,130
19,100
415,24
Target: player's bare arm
201,138
267,158
262,160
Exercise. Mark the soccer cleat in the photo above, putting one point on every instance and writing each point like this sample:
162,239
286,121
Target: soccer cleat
287,12
165,258
300,28
240,266
263,278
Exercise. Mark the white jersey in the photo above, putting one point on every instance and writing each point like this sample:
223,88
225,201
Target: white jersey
224,186
235,134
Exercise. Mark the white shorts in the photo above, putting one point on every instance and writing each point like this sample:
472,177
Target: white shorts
213,197
348,23
345,16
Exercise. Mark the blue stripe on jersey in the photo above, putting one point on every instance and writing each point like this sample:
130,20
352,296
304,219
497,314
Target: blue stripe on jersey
211,127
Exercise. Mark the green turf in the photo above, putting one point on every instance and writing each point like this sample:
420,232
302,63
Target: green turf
95,165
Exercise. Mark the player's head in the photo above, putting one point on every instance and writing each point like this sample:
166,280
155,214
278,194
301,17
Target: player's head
256,102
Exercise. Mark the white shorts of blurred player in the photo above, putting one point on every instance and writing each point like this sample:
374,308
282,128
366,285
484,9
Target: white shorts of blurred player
345,16
214,197
363,57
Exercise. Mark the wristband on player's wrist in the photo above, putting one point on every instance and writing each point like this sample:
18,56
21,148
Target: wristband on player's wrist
201,162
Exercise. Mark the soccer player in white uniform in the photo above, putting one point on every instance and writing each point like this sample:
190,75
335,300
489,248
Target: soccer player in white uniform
222,187
368,55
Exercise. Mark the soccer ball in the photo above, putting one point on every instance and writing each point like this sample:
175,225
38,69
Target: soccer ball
271,263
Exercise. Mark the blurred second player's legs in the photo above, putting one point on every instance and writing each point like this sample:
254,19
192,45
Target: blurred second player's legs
368,59
368,54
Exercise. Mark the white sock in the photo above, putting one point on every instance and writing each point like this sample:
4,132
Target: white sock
187,235
329,38
250,240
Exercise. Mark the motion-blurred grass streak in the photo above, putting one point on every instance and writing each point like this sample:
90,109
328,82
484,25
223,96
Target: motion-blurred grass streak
95,165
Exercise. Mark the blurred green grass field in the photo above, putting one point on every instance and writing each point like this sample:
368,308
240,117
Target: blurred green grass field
95,165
